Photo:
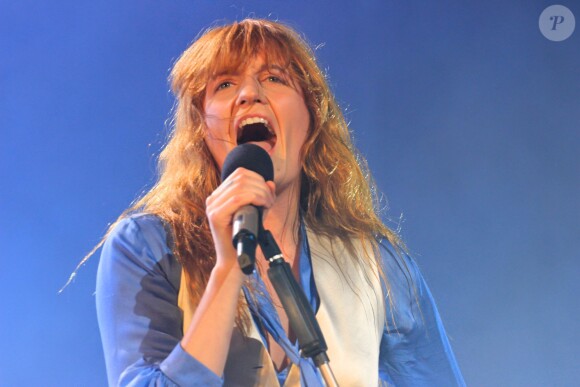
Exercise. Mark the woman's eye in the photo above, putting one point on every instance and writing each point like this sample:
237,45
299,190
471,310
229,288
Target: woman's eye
275,79
223,85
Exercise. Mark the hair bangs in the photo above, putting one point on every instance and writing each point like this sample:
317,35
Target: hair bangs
242,42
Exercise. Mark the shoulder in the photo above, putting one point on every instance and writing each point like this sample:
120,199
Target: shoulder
140,240
139,222
141,228
396,263
404,286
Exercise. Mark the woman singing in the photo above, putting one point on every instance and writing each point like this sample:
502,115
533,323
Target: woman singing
174,308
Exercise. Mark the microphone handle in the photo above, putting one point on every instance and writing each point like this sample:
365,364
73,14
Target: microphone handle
246,225
246,248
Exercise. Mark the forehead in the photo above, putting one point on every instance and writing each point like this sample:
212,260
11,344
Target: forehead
238,55
254,65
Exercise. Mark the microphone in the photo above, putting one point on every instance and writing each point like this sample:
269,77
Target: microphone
247,221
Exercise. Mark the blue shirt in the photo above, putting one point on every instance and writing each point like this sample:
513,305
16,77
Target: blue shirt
138,282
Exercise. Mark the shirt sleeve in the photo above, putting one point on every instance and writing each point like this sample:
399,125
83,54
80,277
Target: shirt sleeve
140,322
415,350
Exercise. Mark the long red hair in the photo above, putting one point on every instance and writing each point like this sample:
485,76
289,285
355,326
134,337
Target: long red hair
338,195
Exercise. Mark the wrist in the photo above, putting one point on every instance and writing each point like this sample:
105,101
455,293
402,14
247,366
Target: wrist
229,270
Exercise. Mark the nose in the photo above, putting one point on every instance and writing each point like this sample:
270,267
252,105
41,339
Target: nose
250,92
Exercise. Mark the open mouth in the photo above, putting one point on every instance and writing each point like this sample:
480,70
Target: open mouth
255,130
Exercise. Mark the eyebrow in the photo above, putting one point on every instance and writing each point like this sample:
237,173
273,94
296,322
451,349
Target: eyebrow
264,67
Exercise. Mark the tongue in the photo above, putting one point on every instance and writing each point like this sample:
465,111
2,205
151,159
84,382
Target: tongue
266,145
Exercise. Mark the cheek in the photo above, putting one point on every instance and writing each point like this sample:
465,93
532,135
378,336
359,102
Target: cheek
211,127
216,149
303,122
210,117
214,140
216,128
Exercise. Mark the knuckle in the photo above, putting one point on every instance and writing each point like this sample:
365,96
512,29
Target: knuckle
237,199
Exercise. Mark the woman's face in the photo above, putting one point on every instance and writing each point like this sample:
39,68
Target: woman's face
262,105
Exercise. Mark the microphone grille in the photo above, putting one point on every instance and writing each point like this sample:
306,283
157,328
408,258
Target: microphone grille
249,156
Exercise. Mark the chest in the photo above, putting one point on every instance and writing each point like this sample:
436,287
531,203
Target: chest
350,315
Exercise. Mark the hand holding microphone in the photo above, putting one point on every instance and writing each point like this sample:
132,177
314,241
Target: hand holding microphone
247,220
247,228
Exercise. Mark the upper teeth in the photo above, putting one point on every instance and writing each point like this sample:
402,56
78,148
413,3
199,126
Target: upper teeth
253,120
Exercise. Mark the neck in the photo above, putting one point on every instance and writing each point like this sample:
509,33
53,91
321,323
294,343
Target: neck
282,219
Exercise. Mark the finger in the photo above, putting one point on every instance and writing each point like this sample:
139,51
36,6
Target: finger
225,206
241,195
221,206
238,174
272,186
241,181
